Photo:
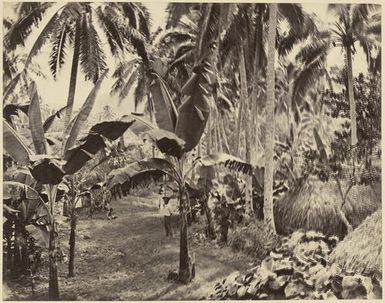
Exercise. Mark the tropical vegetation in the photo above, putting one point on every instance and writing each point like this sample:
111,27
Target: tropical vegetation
270,146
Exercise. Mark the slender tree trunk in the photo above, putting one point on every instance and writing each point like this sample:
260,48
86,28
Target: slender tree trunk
184,268
209,137
72,241
269,140
351,97
73,78
242,100
256,73
53,291
224,137
289,101
220,142
210,227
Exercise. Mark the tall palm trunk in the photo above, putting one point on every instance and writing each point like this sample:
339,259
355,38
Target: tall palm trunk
247,124
352,103
256,73
242,100
269,140
73,78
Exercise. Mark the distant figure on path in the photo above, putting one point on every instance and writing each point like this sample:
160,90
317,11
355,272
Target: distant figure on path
161,194
166,210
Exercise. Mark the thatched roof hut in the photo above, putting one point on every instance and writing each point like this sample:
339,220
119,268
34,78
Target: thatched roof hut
361,250
314,205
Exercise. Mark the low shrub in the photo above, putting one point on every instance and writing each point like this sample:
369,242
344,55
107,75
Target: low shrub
298,269
253,238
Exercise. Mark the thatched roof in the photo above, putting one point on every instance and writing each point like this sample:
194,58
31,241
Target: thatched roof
361,250
314,206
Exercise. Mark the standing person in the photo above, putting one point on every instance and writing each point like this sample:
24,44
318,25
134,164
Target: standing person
166,211
161,195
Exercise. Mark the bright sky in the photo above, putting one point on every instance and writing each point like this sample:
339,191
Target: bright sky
55,92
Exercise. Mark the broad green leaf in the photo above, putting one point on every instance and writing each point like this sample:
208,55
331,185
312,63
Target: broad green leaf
14,144
195,109
82,116
17,190
140,125
11,109
11,86
165,111
47,170
35,122
97,138
167,142
228,161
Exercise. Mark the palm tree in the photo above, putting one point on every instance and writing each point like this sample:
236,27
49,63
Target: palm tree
270,101
301,68
73,26
349,29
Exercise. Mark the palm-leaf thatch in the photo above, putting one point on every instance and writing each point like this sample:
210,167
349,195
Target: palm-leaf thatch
315,206
361,250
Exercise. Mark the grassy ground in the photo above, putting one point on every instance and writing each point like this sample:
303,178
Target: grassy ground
129,258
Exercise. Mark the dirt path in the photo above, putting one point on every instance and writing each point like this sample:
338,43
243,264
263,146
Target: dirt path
129,259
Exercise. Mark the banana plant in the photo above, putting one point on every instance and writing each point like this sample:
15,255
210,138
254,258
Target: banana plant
49,170
178,131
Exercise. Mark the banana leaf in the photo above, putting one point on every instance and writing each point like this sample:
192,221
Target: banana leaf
111,129
49,121
228,161
165,111
10,110
145,177
79,121
47,170
16,190
35,122
138,171
167,142
14,144
139,125
19,174
40,234
97,139
195,109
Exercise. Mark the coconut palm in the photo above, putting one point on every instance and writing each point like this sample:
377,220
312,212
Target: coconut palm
270,100
300,69
73,26
349,29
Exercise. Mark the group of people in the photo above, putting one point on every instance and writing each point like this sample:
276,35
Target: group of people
101,200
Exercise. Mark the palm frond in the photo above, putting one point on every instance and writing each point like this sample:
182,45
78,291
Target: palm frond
29,15
128,85
144,20
58,53
92,57
44,35
141,91
294,15
123,70
175,11
107,19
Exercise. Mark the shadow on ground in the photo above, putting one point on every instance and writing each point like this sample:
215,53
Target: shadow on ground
129,259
